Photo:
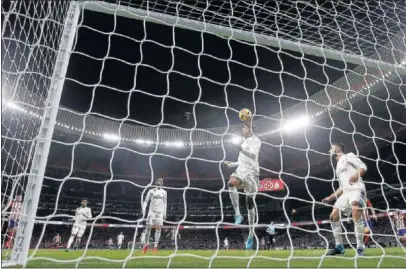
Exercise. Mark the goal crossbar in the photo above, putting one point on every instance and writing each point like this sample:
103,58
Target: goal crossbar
251,37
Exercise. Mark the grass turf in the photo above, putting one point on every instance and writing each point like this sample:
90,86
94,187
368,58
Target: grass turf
390,257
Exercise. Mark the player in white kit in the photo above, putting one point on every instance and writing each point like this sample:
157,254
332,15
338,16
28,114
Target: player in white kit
246,175
156,213
226,243
83,213
351,197
120,239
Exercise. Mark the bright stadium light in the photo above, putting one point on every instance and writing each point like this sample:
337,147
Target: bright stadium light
236,140
292,125
177,144
140,141
111,137
14,106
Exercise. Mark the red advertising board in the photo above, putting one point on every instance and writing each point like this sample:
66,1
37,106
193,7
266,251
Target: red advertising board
270,184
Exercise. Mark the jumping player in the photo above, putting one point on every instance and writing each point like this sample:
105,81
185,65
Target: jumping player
83,213
246,175
350,197
156,213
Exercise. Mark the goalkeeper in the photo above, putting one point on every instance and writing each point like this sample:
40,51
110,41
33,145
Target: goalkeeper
156,213
246,175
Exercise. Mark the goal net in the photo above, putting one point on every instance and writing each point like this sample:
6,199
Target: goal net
101,98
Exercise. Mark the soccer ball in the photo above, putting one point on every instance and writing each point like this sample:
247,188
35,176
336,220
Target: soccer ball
245,114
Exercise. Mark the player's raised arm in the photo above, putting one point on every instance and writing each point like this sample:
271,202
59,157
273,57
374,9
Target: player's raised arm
146,201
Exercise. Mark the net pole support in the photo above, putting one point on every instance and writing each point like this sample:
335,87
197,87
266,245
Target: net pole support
251,37
43,140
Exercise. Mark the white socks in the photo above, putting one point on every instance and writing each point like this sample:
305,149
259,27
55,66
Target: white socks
157,236
70,241
147,235
359,232
251,221
235,200
337,231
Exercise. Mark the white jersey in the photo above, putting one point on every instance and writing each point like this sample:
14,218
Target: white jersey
110,241
347,166
246,164
158,199
120,238
82,215
225,242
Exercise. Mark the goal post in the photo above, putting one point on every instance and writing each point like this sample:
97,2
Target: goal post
42,144
395,66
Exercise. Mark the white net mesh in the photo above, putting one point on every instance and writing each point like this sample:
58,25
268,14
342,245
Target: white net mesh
152,90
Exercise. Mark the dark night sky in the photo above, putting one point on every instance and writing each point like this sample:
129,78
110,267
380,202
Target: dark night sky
124,64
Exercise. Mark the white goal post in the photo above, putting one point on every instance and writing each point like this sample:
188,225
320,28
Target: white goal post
394,63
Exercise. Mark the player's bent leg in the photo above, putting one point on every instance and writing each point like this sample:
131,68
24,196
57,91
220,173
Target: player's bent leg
233,183
79,237
337,232
358,226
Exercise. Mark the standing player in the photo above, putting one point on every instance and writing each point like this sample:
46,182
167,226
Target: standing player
350,197
400,225
271,232
83,213
110,243
156,213
57,241
120,239
173,234
246,175
16,210
368,222
226,243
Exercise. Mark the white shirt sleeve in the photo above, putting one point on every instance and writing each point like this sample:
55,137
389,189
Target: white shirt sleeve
89,213
165,202
145,204
255,146
356,162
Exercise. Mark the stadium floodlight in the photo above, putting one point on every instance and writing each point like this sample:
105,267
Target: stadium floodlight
178,144
236,140
292,125
111,137
15,106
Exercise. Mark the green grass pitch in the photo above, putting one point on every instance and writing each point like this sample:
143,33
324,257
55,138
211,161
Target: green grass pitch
390,257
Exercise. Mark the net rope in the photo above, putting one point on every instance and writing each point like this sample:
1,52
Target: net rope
31,37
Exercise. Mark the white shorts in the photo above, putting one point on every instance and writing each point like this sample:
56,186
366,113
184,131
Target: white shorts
249,182
119,242
155,219
344,202
79,229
